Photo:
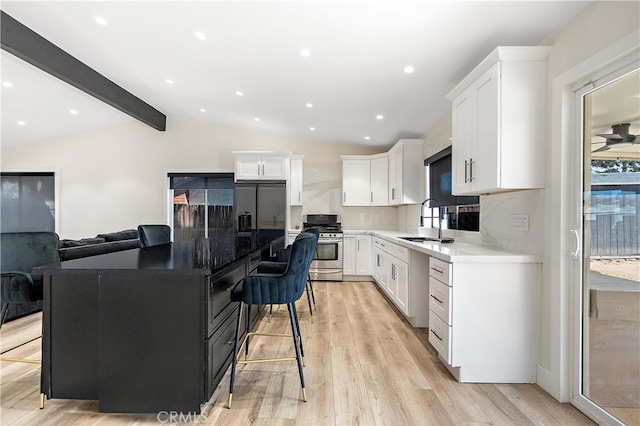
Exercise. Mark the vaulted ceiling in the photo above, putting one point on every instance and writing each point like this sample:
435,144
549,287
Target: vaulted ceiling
330,70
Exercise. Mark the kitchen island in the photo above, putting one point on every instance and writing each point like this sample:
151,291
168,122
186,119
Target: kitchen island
144,330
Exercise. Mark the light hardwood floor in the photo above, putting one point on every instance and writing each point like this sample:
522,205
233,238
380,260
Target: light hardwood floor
364,365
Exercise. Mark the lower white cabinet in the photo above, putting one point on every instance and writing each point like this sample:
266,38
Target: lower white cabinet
356,255
402,274
482,319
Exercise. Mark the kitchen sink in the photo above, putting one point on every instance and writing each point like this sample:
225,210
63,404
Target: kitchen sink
423,239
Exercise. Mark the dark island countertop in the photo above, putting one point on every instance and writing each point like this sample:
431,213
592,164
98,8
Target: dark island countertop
204,256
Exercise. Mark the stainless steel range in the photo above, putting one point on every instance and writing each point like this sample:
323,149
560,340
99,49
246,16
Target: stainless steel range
327,262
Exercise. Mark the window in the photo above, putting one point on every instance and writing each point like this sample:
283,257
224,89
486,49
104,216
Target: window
202,204
28,202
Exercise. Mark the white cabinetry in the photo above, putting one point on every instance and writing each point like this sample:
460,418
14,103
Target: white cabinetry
379,180
402,274
295,180
406,169
363,255
482,319
261,165
291,236
356,181
365,180
356,255
497,123
349,255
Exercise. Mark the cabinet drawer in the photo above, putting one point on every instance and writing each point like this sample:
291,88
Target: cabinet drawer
440,336
439,299
219,291
400,252
219,348
396,250
440,270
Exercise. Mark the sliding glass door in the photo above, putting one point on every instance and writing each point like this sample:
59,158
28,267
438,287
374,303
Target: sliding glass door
607,250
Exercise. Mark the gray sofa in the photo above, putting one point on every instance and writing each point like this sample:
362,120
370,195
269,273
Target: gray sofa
75,249
100,244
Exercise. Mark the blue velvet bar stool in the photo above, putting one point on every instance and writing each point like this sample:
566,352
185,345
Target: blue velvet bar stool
275,289
154,235
20,252
279,265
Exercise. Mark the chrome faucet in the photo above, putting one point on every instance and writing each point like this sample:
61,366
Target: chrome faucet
439,220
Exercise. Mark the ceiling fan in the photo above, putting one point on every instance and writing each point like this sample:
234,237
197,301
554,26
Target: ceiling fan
618,139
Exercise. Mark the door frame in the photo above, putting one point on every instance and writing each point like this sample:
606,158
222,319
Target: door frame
557,326
622,68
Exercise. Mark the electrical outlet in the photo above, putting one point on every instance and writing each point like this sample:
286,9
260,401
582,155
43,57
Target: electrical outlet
519,222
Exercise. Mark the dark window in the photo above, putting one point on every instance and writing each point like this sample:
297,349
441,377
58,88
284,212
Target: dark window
28,202
202,204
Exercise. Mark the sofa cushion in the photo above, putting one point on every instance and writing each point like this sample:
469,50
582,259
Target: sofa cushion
127,234
77,252
82,242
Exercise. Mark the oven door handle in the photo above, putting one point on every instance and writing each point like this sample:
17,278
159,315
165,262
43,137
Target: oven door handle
329,241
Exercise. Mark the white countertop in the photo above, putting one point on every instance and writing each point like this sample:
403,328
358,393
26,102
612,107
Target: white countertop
453,252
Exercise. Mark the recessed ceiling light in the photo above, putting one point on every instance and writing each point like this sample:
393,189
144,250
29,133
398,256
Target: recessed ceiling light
309,105
100,20
367,138
169,81
305,52
257,119
7,84
22,123
239,93
73,111
203,110
201,35
408,69
313,129
379,116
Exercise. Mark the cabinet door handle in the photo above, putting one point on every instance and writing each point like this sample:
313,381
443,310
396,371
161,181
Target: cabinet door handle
344,197
372,197
436,334
466,163
358,245
437,300
470,169
299,196
437,270
393,193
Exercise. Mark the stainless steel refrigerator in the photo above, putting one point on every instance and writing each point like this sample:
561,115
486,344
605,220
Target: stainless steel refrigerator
260,210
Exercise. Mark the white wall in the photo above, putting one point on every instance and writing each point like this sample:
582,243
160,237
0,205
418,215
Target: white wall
115,178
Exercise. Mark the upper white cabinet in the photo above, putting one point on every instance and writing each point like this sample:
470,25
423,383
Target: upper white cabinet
295,180
261,165
365,180
379,180
391,178
497,113
356,181
406,168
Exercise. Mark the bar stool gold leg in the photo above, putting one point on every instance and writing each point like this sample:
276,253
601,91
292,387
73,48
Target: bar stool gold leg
41,401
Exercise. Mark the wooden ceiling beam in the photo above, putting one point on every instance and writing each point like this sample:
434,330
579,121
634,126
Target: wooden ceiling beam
31,47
